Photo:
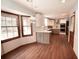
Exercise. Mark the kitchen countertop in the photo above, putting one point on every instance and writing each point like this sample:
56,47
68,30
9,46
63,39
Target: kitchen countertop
44,31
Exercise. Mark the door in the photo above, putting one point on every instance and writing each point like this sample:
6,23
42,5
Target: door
71,36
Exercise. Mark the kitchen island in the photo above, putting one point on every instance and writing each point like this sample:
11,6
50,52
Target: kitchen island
43,36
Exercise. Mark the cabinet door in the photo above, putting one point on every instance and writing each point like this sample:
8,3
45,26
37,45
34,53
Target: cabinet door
46,38
39,37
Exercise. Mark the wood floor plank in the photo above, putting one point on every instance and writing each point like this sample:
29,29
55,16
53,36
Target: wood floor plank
58,48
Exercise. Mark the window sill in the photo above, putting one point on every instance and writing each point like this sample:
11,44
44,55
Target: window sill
26,35
10,39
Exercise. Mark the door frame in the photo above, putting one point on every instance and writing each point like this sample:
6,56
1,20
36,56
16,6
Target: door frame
71,33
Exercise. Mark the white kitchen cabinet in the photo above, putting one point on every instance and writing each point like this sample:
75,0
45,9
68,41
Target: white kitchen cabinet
43,37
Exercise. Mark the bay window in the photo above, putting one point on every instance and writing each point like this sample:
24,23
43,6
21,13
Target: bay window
9,26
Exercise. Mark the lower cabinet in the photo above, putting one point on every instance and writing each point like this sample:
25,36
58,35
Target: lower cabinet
43,37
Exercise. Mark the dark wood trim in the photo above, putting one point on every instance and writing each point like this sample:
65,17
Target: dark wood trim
9,39
71,39
22,27
9,13
18,23
25,16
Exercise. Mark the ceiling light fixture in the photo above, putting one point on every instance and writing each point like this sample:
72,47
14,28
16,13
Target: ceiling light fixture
29,0
63,1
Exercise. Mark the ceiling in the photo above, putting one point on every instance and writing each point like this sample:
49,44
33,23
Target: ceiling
50,8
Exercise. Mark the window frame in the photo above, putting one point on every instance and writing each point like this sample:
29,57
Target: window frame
18,27
23,26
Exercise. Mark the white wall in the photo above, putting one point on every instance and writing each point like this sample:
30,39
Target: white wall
10,45
14,7
63,20
76,29
10,6
76,34
40,20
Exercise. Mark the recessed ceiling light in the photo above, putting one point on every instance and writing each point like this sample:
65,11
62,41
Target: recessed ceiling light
63,1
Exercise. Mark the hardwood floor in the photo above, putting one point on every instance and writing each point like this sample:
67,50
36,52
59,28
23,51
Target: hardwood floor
57,49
